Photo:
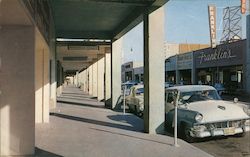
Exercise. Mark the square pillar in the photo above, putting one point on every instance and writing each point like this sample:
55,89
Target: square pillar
100,84
95,86
107,79
154,72
85,81
90,82
42,81
193,72
53,84
116,71
60,78
77,79
17,96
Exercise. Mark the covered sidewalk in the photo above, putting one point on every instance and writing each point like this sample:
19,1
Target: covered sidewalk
82,126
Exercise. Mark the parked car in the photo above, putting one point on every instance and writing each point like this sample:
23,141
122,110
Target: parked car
220,88
201,113
169,84
128,85
134,100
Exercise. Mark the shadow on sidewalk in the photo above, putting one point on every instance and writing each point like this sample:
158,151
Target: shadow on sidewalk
79,104
42,153
96,122
132,136
130,119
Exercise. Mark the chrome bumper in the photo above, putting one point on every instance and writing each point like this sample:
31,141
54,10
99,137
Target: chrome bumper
219,132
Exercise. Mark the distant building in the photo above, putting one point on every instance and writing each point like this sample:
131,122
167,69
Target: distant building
172,49
132,71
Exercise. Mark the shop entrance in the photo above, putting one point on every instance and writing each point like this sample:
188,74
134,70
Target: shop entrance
185,77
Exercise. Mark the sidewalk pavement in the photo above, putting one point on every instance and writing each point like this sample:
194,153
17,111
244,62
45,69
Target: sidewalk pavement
80,126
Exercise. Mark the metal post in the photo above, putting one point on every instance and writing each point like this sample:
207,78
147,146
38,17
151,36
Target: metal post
175,118
124,100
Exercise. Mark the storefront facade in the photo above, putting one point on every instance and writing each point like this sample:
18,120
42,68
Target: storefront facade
179,69
132,71
223,64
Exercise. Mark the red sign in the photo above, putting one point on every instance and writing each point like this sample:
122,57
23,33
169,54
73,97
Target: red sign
243,6
212,24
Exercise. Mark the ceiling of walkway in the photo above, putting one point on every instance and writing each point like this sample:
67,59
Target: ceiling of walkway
94,19
76,58
103,19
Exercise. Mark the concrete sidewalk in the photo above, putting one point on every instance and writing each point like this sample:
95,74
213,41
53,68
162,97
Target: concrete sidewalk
81,126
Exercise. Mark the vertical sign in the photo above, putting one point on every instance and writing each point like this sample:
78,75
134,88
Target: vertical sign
243,6
212,24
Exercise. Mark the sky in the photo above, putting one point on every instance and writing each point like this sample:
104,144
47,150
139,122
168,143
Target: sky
186,21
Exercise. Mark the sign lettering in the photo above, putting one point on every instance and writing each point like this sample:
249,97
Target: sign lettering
217,55
212,24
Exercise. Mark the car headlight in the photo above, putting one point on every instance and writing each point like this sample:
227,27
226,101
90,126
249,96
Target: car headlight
199,128
141,105
198,117
247,110
247,122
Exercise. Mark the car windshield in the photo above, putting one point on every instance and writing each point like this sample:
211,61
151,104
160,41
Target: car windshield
194,96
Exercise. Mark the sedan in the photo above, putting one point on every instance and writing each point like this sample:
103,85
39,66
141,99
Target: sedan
201,113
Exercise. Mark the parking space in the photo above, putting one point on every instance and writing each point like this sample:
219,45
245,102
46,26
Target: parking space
226,147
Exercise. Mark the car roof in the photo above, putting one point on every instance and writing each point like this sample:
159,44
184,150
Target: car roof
189,88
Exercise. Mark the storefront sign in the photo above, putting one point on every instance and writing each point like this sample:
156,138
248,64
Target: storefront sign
218,54
212,24
243,6
185,61
222,55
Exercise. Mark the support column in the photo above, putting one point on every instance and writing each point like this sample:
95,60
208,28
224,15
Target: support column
17,107
59,78
85,82
53,84
95,71
53,65
90,80
177,76
77,79
154,72
116,54
42,83
46,86
108,79
100,94
193,72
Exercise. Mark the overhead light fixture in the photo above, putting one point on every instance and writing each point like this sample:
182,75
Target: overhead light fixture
83,40
83,48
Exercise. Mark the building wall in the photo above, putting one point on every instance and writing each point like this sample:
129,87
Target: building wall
183,48
133,67
171,49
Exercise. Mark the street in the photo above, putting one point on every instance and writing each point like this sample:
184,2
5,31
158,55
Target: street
226,146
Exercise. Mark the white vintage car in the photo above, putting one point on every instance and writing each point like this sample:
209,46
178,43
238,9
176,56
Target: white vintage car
202,113
134,100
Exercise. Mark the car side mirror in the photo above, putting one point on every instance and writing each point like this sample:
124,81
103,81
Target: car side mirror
236,100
